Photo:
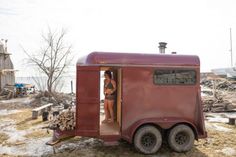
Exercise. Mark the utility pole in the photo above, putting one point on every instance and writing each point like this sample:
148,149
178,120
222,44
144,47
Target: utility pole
231,49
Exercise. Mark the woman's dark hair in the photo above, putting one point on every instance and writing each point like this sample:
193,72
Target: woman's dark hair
108,72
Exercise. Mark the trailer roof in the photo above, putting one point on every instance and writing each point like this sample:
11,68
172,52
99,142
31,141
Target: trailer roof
114,58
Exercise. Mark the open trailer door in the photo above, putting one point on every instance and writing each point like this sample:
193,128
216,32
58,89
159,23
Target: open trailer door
88,101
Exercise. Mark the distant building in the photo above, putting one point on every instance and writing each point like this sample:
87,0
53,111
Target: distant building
7,72
225,72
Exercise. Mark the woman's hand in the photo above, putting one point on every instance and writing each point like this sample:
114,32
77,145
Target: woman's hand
108,91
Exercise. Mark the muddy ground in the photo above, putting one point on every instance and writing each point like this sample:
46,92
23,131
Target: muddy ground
22,136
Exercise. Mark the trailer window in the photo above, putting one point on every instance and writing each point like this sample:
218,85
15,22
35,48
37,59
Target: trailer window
175,77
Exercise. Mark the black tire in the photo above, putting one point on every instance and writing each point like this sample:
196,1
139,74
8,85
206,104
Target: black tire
181,138
148,140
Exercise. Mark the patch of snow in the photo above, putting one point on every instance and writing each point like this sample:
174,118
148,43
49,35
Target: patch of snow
29,147
229,114
218,127
203,94
8,127
6,112
26,100
216,117
36,147
221,128
229,151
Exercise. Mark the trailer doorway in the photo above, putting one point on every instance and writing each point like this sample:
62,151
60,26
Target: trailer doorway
111,128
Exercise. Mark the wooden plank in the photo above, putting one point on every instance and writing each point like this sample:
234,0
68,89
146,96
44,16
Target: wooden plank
38,111
42,107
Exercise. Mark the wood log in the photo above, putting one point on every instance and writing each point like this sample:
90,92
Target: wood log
64,121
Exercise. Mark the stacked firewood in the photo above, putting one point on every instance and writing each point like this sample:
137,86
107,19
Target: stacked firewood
64,121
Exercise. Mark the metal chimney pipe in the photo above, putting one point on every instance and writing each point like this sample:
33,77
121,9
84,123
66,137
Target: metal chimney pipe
162,47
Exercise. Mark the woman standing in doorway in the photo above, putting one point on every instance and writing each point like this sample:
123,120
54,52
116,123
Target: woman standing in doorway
109,92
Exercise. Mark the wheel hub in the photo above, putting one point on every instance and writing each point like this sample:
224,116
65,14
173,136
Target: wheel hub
181,138
148,140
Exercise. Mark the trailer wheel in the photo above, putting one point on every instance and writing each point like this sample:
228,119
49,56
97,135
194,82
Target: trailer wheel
148,140
181,138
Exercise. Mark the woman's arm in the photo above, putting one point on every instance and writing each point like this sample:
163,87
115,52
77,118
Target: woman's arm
114,85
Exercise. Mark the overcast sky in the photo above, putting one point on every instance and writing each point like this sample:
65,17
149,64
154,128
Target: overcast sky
198,27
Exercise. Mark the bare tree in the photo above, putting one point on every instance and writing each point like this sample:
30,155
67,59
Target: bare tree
40,82
53,58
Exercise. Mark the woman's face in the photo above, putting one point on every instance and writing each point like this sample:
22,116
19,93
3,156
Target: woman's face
106,76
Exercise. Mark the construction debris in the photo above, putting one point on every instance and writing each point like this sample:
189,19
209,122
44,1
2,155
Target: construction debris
211,104
17,90
207,83
220,84
218,95
7,92
24,89
64,121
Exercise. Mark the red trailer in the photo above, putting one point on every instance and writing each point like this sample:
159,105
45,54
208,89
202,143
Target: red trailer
158,98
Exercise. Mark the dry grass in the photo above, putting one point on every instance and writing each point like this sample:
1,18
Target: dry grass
16,143
19,116
217,140
38,134
23,119
3,137
5,155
